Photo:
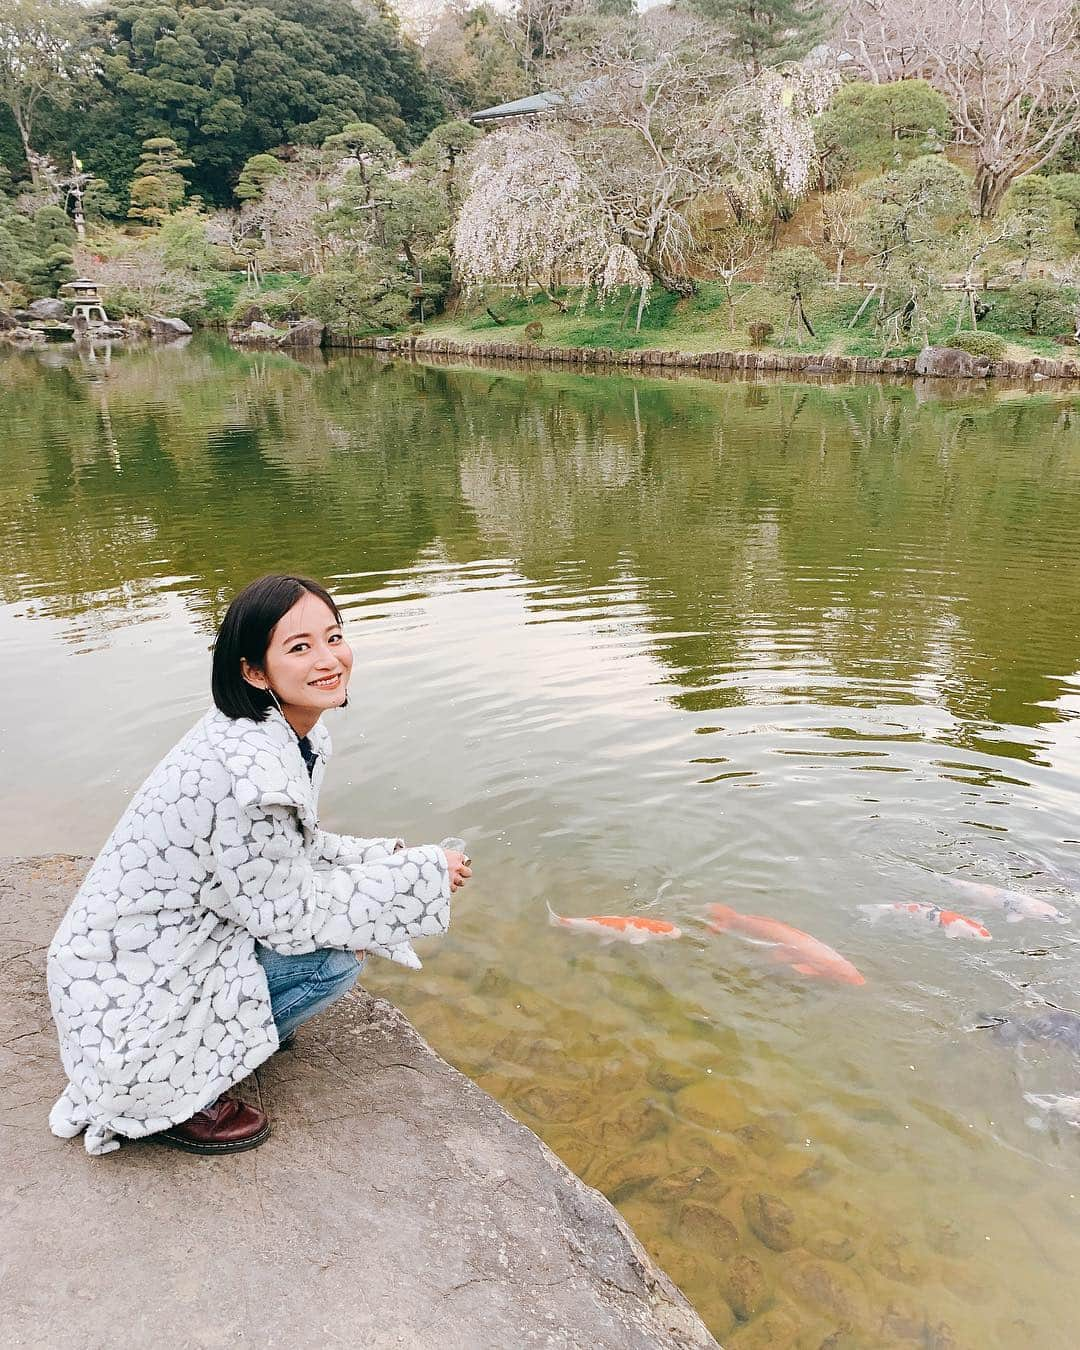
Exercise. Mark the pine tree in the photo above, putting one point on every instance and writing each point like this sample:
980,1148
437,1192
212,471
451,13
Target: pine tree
768,32
158,186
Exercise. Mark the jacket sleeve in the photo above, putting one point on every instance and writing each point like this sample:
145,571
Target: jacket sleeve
266,881
347,848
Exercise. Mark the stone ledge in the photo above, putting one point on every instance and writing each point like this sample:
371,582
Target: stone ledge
396,1204
799,363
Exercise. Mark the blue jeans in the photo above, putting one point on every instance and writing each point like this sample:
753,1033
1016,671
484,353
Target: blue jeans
301,986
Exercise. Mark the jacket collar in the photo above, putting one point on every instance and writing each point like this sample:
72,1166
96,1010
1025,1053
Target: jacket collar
266,764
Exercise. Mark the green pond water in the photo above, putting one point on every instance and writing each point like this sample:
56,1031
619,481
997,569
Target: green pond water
647,645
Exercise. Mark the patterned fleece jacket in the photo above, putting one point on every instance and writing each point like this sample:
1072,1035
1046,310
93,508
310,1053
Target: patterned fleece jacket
158,996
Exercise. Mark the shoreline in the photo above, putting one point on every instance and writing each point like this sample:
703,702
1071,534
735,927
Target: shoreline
1038,368
395,1200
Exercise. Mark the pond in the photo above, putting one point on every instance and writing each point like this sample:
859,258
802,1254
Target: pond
649,645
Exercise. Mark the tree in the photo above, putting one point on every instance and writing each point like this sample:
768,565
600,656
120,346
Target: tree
159,185
360,300
729,251
840,215
795,274
768,32
1010,72
440,154
229,79
879,127
259,171
909,214
658,118
37,55
470,55
527,211
1038,307
1030,214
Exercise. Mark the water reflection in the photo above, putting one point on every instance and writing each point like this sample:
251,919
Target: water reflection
646,644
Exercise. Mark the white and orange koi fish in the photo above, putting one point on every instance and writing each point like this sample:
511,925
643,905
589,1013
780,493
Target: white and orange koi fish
1015,904
618,927
951,924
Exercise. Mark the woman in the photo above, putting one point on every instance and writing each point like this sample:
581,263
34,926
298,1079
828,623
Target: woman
219,916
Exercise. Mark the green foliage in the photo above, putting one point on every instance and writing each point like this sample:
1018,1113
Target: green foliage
989,345
352,303
1031,212
159,186
1036,307
184,242
230,80
879,127
767,32
1066,188
795,273
257,172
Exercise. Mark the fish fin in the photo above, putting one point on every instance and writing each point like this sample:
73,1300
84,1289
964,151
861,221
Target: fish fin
873,912
805,969
606,939
552,916
1013,916
637,939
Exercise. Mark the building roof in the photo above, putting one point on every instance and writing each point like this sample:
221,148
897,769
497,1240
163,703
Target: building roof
518,107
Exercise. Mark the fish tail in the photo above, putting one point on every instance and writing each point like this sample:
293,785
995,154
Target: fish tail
873,912
552,916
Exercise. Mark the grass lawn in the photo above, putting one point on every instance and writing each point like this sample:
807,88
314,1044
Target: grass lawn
698,324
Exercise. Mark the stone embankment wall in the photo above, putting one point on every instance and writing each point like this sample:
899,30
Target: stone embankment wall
805,363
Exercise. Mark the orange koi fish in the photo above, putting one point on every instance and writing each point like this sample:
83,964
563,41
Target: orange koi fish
791,946
618,927
951,924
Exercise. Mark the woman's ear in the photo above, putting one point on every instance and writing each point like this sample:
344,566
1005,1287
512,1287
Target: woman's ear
253,675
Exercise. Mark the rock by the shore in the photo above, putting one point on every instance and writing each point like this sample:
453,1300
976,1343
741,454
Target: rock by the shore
303,333
950,363
165,329
395,1205
47,309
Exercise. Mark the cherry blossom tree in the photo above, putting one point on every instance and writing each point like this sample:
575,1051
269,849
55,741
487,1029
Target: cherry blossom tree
1011,72
528,211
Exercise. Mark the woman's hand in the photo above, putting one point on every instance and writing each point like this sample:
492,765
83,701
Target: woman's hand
460,871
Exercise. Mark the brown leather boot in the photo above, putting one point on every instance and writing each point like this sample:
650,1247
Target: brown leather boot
227,1126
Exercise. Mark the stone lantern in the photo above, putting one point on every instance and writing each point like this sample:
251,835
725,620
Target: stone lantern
82,295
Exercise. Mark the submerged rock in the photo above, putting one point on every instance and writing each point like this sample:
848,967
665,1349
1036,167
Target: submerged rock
828,1287
771,1220
744,1286
704,1229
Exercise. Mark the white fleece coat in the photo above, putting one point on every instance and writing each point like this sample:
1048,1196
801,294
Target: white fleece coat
158,996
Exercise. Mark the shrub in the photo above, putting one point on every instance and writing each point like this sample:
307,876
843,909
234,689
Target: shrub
534,331
760,333
354,303
980,344
1036,307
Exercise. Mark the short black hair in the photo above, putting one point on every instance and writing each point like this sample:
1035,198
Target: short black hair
245,633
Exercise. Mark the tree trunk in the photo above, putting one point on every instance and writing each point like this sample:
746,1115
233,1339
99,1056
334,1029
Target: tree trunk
990,187
24,135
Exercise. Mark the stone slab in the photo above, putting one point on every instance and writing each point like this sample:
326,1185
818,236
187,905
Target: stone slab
395,1205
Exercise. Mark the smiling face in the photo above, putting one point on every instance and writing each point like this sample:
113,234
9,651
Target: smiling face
307,663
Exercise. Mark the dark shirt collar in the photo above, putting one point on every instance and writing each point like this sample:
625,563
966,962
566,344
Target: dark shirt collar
309,755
